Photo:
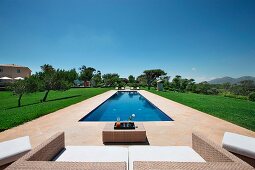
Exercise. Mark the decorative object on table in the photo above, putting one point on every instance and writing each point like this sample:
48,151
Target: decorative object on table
117,124
124,125
131,117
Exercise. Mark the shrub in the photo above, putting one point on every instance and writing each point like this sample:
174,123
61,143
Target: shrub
228,94
213,91
241,97
167,88
252,96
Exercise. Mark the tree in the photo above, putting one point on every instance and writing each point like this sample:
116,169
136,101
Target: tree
54,80
166,85
47,68
176,83
71,75
19,89
248,86
123,80
191,85
131,79
121,84
141,80
184,84
243,88
236,89
226,86
111,79
206,88
97,78
86,73
251,96
151,75
32,84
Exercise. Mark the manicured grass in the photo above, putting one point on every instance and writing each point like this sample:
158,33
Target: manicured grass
237,111
11,115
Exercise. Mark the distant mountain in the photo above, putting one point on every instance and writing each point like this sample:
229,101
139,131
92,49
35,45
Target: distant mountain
231,80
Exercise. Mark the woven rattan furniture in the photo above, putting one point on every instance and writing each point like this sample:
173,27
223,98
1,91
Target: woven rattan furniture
41,158
241,146
162,153
110,134
12,150
216,158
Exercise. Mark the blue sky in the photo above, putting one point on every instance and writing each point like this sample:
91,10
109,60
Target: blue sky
192,38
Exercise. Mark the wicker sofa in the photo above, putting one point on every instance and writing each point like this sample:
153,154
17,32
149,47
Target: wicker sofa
12,150
216,158
241,146
41,158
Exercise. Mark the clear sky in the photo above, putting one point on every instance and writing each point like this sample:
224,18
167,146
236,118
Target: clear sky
202,39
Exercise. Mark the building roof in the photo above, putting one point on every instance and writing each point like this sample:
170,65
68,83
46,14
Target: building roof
13,65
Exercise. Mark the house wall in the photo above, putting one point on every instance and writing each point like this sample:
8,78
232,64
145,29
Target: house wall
13,72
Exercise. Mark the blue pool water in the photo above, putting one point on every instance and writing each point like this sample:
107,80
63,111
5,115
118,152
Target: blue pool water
123,105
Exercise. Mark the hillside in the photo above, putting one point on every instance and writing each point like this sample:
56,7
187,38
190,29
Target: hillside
230,80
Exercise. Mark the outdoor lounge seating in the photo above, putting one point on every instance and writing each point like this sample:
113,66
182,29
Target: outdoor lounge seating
46,156
93,154
241,146
215,157
12,150
53,154
163,153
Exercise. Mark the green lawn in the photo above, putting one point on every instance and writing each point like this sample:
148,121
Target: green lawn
237,111
11,115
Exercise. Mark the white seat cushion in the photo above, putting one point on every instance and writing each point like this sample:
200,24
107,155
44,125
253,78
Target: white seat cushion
13,149
163,153
239,144
93,154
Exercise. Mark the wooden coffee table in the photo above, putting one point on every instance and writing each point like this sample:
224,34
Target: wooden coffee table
110,134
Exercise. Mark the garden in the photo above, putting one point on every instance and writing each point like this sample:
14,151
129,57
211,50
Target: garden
52,89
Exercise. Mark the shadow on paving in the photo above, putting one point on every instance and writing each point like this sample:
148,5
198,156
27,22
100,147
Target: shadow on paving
128,143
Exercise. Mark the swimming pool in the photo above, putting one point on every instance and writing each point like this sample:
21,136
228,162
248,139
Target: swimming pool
123,105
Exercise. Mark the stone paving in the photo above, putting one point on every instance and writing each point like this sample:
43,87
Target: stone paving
177,132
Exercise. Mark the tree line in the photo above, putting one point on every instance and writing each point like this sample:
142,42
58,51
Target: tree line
243,90
50,78
46,80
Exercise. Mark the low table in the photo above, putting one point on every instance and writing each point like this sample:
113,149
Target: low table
124,135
